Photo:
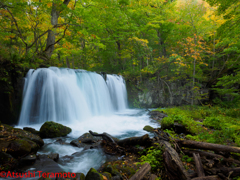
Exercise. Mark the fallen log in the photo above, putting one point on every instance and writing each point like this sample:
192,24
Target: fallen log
141,172
199,166
207,178
174,166
211,155
142,141
207,146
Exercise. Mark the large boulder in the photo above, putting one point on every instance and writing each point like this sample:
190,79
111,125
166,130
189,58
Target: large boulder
52,129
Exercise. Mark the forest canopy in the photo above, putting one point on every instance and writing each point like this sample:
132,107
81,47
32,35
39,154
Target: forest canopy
159,39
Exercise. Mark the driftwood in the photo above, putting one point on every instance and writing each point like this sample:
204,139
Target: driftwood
141,172
173,164
212,155
199,166
207,146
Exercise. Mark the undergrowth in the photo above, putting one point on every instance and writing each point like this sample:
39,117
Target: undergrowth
213,124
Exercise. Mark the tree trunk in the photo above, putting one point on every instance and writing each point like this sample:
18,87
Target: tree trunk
54,21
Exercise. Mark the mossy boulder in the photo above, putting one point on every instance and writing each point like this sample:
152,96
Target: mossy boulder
52,129
21,147
93,174
148,128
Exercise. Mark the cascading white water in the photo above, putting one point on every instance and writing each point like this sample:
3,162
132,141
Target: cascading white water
118,91
67,95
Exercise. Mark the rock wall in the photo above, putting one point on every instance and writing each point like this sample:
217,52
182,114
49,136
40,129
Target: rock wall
151,93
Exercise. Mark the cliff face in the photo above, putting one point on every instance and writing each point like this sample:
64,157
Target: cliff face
150,93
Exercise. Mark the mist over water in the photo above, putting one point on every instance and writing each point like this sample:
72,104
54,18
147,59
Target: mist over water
83,101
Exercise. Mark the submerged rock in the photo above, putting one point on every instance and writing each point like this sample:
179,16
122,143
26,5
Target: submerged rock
52,129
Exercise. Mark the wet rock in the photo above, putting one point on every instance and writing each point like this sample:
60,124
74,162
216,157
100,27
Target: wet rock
148,128
16,133
21,147
84,140
53,156
80,176
107,175
93,175
156,115
108,168
27,160
31,130
51,129
7,162
60,141
44,164
18,143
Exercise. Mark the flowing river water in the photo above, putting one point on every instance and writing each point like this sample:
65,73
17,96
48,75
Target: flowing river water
83,101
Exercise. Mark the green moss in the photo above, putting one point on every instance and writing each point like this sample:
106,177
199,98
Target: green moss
148,128
51,129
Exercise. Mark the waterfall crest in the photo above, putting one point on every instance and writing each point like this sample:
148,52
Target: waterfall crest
53,94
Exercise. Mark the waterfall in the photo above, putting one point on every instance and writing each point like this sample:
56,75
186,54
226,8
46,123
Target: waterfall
67,95
118,93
